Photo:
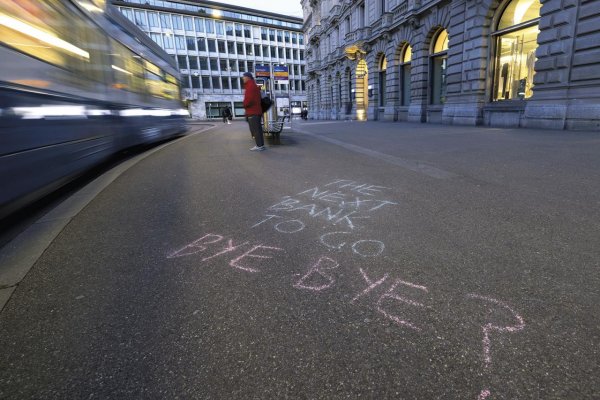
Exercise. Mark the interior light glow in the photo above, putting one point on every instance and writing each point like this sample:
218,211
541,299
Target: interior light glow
45,111
120,70
90,7
181,112
41,35
139,112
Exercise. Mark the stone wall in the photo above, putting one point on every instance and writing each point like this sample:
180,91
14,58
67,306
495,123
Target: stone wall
566,91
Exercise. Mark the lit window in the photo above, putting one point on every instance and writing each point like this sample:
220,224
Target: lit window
439,63
405,76
516,42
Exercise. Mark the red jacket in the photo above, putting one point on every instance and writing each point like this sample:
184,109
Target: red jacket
252,98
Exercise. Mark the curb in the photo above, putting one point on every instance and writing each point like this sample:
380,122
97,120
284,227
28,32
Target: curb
20,255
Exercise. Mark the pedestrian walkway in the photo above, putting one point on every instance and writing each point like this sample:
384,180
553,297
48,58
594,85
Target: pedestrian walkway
377,260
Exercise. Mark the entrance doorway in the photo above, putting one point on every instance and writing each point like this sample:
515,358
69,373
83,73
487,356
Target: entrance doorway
362,95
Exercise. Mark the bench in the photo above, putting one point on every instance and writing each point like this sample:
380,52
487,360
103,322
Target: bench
275,127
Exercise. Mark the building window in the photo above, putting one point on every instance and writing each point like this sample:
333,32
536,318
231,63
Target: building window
140,19
382,81
238,109
265,51
224,65
361,17
238,30
214,65
190,43
185,81
240,48
247,32
168,41
225,83
206,82
301,38
287,36
153,20
273,52
438,63
177,23
199,24
257,50
201,44
220,28
294,38
272,35
279,36
516,42
182,62
193,62
235,83
188,23
229,29
165,21
204,63
231,48
221,46
216,82
263,33
405,76
249,50
215,109
157,38
180,42
195,82
210,28
212,45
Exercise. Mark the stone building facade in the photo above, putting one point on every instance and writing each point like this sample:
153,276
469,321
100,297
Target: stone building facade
214,43
516,63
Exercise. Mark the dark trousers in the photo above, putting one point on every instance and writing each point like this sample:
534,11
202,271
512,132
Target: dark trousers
256,129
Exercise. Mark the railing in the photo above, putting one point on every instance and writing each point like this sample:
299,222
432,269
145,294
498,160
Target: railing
358,35
315,31
335,12
400,10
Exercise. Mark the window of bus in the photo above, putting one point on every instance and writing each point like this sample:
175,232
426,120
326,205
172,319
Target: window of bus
158,83
127,69
405,76
516,43
39,30
438,62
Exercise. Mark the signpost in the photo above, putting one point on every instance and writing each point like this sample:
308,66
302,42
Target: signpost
267,75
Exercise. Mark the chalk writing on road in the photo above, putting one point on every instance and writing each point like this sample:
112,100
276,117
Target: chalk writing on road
345,206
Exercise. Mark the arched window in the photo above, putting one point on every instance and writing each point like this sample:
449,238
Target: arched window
405,76
382,78
516,42
438,62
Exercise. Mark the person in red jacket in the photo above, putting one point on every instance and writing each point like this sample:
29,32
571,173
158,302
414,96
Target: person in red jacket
253,110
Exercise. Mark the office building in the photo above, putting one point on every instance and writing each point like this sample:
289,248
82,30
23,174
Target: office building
214,44
530,63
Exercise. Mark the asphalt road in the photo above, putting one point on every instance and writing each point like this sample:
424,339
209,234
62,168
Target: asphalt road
354,260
